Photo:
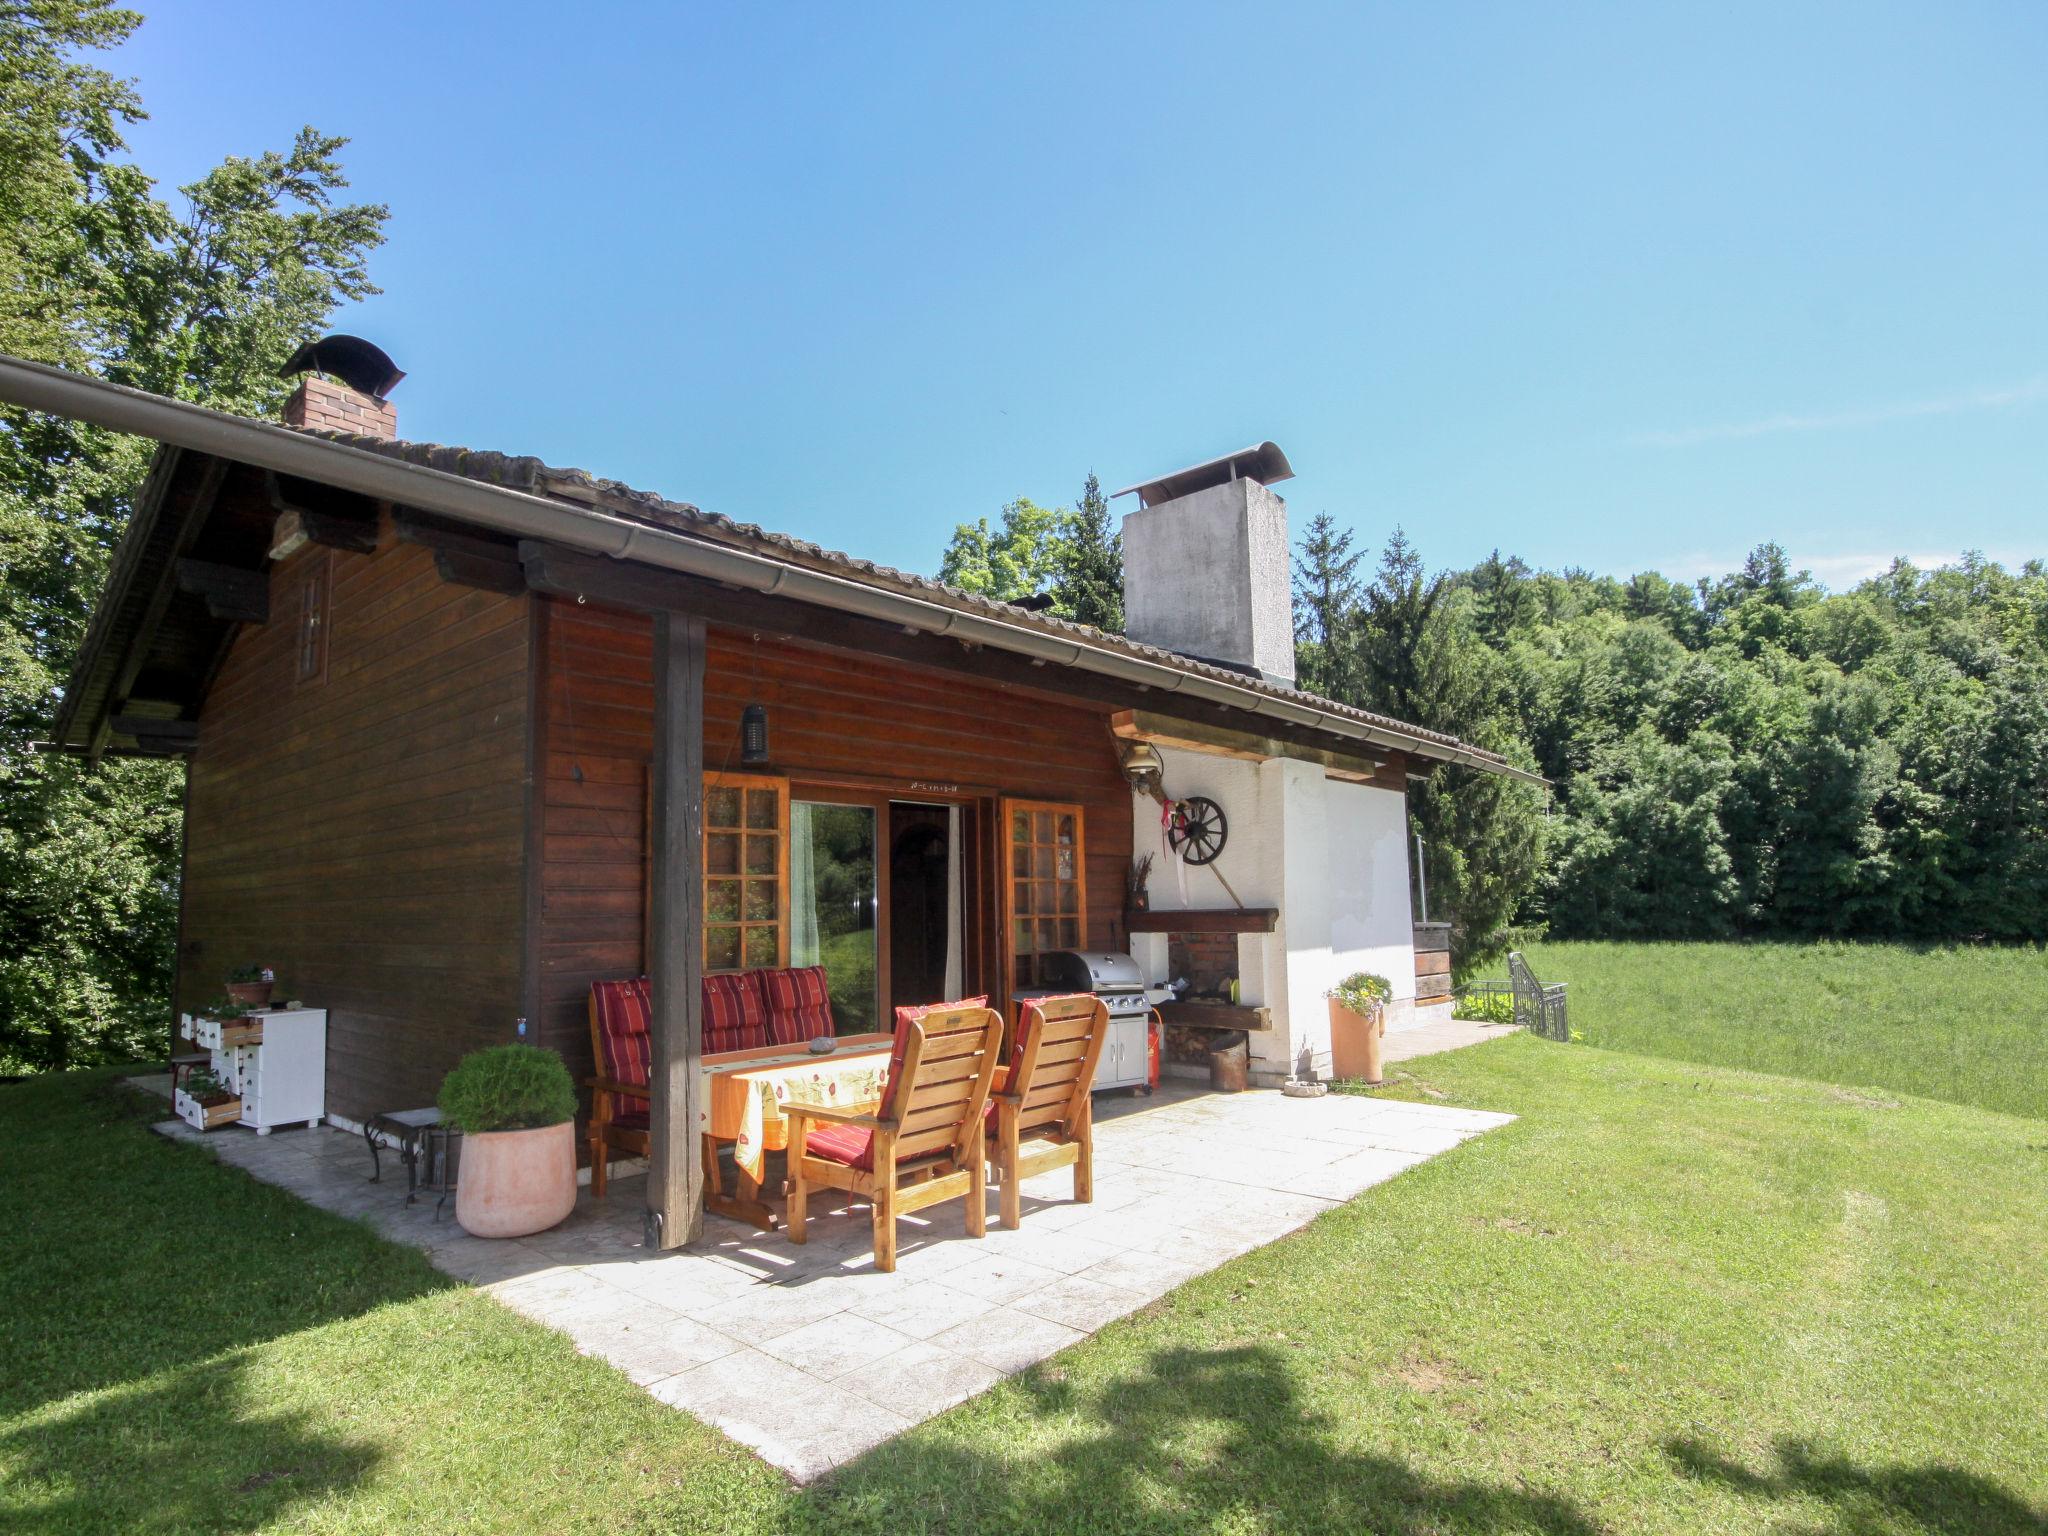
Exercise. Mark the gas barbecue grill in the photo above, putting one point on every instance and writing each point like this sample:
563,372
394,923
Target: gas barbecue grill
1128,1050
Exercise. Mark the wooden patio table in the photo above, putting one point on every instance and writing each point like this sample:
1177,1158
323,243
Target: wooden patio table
743,1099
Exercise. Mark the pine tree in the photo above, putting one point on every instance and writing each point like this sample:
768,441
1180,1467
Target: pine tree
1089,584
1326,611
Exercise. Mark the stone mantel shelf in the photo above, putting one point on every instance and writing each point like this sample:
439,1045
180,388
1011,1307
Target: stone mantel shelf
1205,920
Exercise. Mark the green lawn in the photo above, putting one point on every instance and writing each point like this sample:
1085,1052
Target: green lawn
1669,1298
1969,1025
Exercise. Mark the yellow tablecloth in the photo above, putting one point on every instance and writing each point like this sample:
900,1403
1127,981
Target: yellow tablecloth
746,1091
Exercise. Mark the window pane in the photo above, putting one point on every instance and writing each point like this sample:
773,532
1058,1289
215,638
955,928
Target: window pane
761,809
1070,933
1041,827
1023,898
721,806
760,901
1070,898
722,854
1066,833
762,849
832,902
1020,827
722,901
1023,863
1065,867
1048,933
1021,969
762,946
1021,940
721,949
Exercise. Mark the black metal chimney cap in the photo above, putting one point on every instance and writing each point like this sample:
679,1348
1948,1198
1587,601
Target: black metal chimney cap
363,366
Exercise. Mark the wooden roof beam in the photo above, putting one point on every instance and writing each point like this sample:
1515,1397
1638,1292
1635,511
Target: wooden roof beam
1246,746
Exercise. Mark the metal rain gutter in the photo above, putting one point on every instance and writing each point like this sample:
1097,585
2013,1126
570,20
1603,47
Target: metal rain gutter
57,392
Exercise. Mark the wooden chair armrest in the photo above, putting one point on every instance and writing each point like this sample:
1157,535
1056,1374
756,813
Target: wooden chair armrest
866,1117
608,1086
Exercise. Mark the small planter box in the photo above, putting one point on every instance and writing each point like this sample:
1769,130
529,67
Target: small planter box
205,1117
224,1034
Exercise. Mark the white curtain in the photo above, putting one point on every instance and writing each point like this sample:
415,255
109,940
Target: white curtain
803,889
954,889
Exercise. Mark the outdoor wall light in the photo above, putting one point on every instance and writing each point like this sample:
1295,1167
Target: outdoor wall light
754,735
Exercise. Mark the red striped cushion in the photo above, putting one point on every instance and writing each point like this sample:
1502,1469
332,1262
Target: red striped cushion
625,1021
799,1006
735,1012
853,1145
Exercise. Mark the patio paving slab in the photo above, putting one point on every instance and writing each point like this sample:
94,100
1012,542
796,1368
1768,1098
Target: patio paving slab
807,1354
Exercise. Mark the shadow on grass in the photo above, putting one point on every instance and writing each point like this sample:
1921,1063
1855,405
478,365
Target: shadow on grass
1204,1439
1933,1498
128,1256
187,1451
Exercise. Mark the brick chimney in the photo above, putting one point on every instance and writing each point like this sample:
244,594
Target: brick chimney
1206,564
323,402
343,382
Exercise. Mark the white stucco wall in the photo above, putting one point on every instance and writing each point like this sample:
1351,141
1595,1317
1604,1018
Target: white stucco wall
1331,856
1371,927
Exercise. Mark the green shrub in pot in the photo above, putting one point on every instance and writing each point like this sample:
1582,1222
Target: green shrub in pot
508,1088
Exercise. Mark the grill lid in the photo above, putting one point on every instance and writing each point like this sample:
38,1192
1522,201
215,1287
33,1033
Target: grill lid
1091,970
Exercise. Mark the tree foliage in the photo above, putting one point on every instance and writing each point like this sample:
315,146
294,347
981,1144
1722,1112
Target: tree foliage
97,273
1747,756
1072,557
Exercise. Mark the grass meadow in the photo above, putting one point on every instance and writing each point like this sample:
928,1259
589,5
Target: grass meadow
1667,1298
1966,1024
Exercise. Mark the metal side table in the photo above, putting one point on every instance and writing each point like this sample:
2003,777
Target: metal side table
430,1151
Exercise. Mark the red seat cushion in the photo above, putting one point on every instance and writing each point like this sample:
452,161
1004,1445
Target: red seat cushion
853,1145
625,1022
799,1005
735,1012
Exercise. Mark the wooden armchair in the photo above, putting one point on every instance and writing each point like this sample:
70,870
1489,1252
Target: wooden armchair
927,1141
1043,1118
621,1105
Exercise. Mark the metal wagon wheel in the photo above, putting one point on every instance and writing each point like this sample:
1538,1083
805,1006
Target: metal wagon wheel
1197,830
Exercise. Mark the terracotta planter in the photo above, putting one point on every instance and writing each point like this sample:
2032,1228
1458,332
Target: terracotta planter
250,994
1355,1043
516,1183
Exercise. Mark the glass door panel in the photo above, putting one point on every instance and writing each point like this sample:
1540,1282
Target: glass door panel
832,906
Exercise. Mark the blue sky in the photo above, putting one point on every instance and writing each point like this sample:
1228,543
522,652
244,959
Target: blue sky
1622,286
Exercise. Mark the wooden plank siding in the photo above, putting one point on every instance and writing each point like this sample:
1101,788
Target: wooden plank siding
365,834
831,714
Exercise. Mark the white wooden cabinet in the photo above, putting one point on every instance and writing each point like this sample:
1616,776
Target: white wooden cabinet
276,1060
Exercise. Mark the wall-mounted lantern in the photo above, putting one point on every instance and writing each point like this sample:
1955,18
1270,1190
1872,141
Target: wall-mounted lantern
754,735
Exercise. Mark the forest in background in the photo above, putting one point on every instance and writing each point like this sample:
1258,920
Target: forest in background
1751,756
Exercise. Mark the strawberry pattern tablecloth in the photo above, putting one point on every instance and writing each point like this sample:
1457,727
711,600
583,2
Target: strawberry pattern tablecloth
745,1101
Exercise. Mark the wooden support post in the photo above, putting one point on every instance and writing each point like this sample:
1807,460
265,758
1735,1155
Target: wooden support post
675,1171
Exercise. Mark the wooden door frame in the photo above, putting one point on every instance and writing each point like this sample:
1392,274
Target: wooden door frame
980,898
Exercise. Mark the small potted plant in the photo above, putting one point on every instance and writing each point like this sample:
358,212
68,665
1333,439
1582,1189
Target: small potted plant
516,1108
250,985
1137,884
1358,1018
205,1102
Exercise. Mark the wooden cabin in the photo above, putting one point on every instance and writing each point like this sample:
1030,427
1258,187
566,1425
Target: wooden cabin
466,733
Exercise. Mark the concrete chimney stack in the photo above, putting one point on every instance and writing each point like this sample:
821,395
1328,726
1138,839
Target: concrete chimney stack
1206,564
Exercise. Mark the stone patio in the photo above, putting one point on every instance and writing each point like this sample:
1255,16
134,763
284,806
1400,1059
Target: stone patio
809,1355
